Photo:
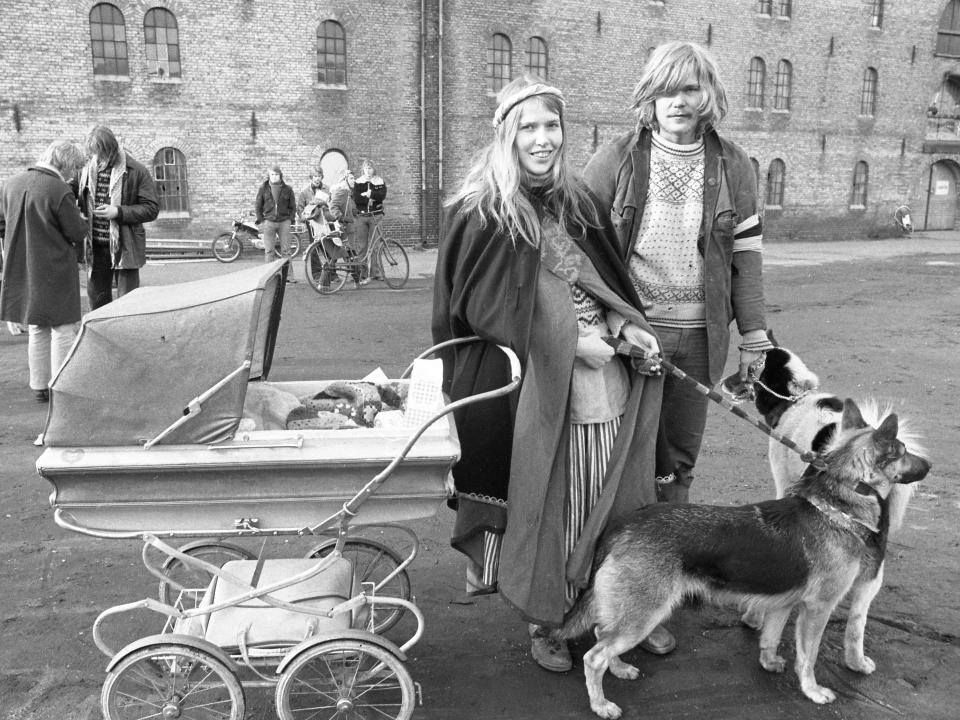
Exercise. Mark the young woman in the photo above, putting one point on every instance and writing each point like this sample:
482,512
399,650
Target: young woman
528,262
683,200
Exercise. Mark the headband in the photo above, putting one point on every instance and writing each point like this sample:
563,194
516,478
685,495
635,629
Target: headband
511,101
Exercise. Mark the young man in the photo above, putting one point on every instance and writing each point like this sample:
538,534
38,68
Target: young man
118,195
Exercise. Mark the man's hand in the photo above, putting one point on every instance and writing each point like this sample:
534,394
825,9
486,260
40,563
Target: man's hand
752,347
106,211
636,335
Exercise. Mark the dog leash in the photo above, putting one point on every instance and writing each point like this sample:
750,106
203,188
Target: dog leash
622,347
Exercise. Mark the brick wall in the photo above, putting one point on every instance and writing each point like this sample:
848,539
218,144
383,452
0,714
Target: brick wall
248,96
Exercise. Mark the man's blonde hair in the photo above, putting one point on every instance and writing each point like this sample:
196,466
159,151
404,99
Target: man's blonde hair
669,68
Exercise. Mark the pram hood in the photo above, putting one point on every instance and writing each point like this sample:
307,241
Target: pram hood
140,363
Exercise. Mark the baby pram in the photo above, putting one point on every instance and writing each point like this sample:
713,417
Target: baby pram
145,439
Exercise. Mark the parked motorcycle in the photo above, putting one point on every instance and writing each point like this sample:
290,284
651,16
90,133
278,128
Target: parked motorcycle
228,246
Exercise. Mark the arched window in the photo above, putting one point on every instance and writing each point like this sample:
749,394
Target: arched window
756,172
868,93
332,162
755,80
162,42
108,40
876,14
784,8
782,85
764,6
499,70
331,53
537,57
948,34
170,172
776,177
861,174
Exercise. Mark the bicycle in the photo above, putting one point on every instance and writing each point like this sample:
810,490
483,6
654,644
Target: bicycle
901,217
228,246
327,274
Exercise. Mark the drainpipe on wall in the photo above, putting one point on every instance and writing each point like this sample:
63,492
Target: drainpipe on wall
440,126
423,123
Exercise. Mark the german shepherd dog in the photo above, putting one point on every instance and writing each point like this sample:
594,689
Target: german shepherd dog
805,551
788,396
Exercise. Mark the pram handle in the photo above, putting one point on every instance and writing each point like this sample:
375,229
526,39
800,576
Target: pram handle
511,355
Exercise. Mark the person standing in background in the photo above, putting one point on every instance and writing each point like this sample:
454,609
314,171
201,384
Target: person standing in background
117,195
43,231
369,192
342,208
276,207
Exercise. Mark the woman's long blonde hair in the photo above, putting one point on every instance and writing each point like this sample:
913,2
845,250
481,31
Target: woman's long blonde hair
497,187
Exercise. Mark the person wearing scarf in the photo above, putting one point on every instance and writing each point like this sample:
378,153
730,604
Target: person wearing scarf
528,262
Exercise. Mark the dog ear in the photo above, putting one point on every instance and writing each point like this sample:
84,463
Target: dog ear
771,338
887,432
852,419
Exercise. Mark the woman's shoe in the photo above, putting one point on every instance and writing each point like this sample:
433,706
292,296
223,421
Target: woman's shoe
551,654
659,642
42,396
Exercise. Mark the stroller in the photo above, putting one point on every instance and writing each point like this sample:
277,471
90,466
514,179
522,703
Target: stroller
163,446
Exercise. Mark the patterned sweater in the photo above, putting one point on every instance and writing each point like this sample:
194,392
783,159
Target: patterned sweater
665,265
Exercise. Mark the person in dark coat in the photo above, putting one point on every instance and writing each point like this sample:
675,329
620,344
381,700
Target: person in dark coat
118,195
43,231
276,207
528,262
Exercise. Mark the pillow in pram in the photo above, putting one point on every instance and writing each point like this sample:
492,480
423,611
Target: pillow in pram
359,401
304,419
267,406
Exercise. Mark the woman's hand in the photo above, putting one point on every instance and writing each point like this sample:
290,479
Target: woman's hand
636,335
593,350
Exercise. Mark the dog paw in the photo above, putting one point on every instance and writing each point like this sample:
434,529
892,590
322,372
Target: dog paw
752,619
624,671
819,694
861,664
606,709
773,663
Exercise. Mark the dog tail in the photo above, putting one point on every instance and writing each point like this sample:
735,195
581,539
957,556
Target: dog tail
579,618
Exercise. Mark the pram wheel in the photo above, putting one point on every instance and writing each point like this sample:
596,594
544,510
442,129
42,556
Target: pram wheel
175,681
183,576
345,678
376,563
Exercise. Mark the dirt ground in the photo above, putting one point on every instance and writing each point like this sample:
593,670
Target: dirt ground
881,325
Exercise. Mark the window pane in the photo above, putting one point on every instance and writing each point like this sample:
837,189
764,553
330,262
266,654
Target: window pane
170,171
107,40
499,69
331,53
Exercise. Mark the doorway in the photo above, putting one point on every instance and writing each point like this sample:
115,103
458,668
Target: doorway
941,210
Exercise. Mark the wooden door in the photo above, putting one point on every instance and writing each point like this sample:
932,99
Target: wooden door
941,213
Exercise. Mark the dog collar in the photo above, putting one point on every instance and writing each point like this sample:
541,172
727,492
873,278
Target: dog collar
844,520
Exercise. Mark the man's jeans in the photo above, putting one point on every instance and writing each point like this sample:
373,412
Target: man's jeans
684,409
270,230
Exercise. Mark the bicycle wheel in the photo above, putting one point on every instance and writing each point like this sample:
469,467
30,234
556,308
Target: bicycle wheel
373,562
227,247
171,681
324,275
345,679
294,247
392,261
188,576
